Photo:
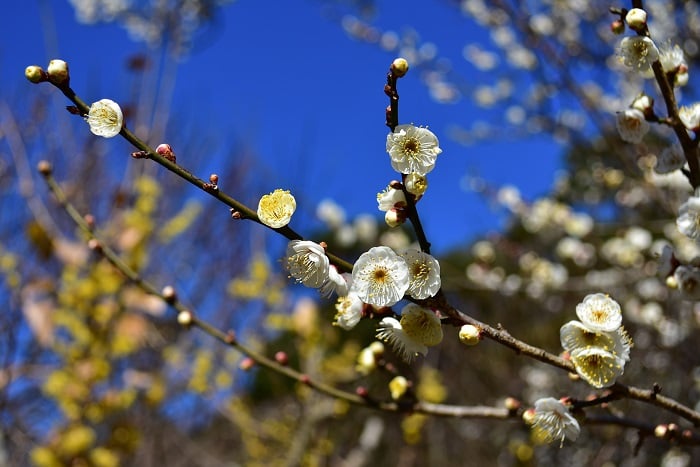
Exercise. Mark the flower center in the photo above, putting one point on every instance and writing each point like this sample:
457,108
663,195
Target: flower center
411,147
380,275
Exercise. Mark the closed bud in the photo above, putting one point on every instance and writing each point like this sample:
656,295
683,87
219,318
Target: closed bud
35,74
185,318
469,335
394,217
399,67
636,19
58,72
617,27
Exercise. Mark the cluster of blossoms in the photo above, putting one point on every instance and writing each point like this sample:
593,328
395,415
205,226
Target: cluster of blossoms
380,276
598,345
639,53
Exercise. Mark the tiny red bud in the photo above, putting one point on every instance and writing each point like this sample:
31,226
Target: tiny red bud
362,391
213,178
305,379
166,151
246,364
281,358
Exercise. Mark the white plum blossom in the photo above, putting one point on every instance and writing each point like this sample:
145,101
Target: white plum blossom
336,283
105,118
424,274
307,262
276,209
418,329
670,159
690,116
638,52
632,125
575,335
380,277
348,311
390,198
688,220
552,421
597,366
390,331
412,149
599,312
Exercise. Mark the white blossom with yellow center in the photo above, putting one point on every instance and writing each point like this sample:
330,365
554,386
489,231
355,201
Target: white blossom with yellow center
639,52
105,118
424,274
632,126
348,311
418,329
599,312
574,335
380,277
275,209
412,149
307,262
597,367
552,421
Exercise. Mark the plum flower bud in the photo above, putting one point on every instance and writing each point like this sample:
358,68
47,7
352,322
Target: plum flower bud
636,19
105,118
416,184
275,209
469,335
166,151
617,27
394,217
690,116
399,67
398,387
58,72
185,318
644,104
35,74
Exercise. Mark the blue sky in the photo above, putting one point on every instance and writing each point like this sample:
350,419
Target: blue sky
306,97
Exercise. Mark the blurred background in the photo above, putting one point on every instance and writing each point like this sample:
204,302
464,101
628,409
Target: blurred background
534,203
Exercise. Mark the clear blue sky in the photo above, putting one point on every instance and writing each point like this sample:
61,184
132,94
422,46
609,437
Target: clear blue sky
292,83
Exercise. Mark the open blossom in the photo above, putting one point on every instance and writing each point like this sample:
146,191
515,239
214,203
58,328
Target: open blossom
632,125
307,263
380,277
599,313
418,329
597,367
390,198
673,61
552,421
348,311
688,280
575,335
690,116
336,283
688,220
275,209
412,149
638,52
105,118
424,274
